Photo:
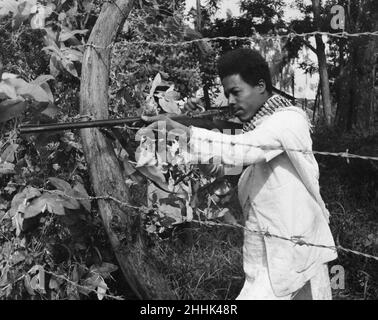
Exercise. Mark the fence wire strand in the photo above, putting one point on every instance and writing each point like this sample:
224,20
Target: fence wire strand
292,35
346,155
296,240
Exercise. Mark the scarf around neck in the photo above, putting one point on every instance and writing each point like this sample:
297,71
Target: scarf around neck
270,106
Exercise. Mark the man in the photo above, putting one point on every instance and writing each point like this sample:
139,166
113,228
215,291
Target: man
279,189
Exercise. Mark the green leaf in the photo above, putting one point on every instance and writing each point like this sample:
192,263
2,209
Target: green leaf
53,284
28,90
171,95
34,92
7,6
70,203
20,199
69,66
38,21
105,269
7,92
54,203
82,193
30,193
54,66
9,152
155,83
68,34
68,194
56,208
229,218
171,206
36,207
101,290
51,111
24,11
72,55
11,108
38,281
18,257
169,106
155,175
42,79
28,286
25,7
60,184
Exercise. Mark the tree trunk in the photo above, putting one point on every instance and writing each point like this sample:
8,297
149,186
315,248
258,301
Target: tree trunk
357,107
121,223
322,61
202,59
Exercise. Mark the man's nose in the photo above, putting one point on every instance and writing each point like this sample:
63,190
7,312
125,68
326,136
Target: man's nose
231,100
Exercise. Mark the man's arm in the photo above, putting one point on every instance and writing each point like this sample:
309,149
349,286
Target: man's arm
262,144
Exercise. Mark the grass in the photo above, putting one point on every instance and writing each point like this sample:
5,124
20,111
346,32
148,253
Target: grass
208,267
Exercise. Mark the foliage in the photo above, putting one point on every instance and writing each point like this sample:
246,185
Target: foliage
52,246
52,242
350,191
133,68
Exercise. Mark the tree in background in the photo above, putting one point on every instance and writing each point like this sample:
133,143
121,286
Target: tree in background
349,61
354,90
322,62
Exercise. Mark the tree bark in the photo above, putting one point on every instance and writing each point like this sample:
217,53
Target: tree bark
322,61
357,106
121,223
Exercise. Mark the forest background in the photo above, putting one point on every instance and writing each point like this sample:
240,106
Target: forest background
66,234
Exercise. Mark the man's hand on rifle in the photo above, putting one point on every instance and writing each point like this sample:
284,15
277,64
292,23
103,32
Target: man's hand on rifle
164,124
193,105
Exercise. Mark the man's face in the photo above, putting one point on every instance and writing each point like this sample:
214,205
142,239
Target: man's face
244,99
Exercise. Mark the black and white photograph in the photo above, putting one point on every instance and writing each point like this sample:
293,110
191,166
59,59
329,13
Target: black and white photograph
188,156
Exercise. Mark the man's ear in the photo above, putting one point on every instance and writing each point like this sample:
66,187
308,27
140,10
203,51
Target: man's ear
262,86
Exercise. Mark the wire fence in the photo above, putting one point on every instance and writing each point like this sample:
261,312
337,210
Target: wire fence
253,38
346,155
295,239
61,277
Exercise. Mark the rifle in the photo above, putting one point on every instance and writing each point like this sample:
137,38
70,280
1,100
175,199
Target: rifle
203,120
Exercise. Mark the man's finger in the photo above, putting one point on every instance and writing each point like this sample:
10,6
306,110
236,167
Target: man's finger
152,118
190,106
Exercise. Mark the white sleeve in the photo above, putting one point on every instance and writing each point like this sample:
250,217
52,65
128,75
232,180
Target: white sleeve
261,144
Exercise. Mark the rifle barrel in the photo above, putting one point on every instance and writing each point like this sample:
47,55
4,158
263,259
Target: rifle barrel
38,128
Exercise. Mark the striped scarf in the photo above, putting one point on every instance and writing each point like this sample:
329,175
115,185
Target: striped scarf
273,104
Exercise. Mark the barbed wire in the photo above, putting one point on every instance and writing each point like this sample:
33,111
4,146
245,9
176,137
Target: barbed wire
83,287
293,35
258,37
296,240
345,154
86,288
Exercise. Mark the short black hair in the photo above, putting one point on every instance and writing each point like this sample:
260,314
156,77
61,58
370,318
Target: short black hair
248,63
